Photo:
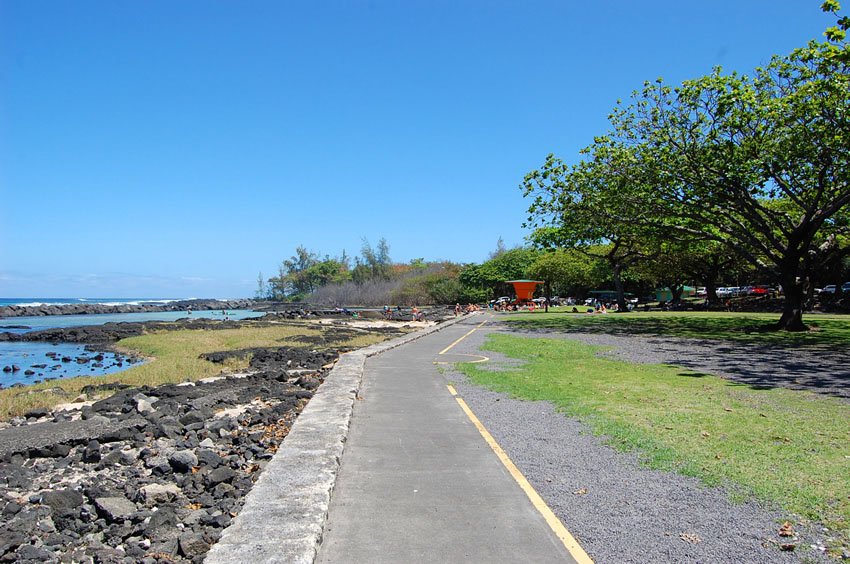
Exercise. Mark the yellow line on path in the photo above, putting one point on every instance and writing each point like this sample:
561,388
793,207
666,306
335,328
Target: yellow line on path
478,359
462,338
570,543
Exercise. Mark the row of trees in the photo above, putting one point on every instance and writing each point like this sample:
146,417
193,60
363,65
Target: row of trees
305,272
722,168
565,272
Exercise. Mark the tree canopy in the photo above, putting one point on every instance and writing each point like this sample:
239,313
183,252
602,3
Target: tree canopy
756,164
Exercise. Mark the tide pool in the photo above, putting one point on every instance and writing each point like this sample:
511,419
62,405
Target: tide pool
35,357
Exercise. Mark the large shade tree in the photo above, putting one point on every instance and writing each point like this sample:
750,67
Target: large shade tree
756,164
759,164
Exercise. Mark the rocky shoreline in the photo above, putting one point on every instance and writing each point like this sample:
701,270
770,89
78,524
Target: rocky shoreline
153,474
147,474
86,309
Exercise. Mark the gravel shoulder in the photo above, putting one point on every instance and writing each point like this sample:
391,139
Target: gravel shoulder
619,510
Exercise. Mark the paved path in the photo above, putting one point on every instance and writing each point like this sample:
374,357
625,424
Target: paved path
418,483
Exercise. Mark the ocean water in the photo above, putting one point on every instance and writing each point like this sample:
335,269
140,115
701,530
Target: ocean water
26,354
69,301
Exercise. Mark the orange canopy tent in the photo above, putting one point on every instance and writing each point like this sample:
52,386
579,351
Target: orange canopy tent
524,289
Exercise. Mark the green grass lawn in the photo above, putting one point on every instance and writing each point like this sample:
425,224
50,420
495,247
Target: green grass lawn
787,447
750,327
174,357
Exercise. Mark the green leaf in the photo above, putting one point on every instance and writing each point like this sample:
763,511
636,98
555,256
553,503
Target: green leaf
830,6
835,34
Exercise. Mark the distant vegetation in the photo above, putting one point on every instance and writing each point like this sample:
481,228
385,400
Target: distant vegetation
374,279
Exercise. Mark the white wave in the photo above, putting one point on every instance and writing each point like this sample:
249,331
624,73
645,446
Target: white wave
39,304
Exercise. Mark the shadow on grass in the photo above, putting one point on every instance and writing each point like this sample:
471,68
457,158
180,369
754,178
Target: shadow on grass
731,327
742,349
764,367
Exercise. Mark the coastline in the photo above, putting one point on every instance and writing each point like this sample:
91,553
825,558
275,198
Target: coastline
45,309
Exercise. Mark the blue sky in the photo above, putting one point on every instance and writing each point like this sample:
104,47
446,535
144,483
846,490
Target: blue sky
176,149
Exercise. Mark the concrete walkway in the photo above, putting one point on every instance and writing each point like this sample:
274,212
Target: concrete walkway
418,483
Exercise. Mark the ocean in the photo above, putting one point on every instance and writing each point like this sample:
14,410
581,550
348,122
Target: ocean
30,356
69,301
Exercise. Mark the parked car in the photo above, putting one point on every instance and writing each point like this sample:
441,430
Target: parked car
758,290
830,289
729,291
845,288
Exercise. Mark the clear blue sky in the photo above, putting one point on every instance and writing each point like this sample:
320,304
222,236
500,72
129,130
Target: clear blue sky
167,148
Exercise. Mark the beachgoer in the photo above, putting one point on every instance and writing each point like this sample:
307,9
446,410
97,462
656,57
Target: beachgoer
457,309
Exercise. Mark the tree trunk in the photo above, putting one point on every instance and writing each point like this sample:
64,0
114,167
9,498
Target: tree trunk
676,292
792,308
618,286
711,291
547,291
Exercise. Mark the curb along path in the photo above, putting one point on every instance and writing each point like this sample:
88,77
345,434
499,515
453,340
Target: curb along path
284,513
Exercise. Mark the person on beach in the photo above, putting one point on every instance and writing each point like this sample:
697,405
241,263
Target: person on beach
457,309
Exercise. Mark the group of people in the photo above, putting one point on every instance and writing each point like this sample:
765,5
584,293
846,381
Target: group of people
390,313
512,306
468,309
600,307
